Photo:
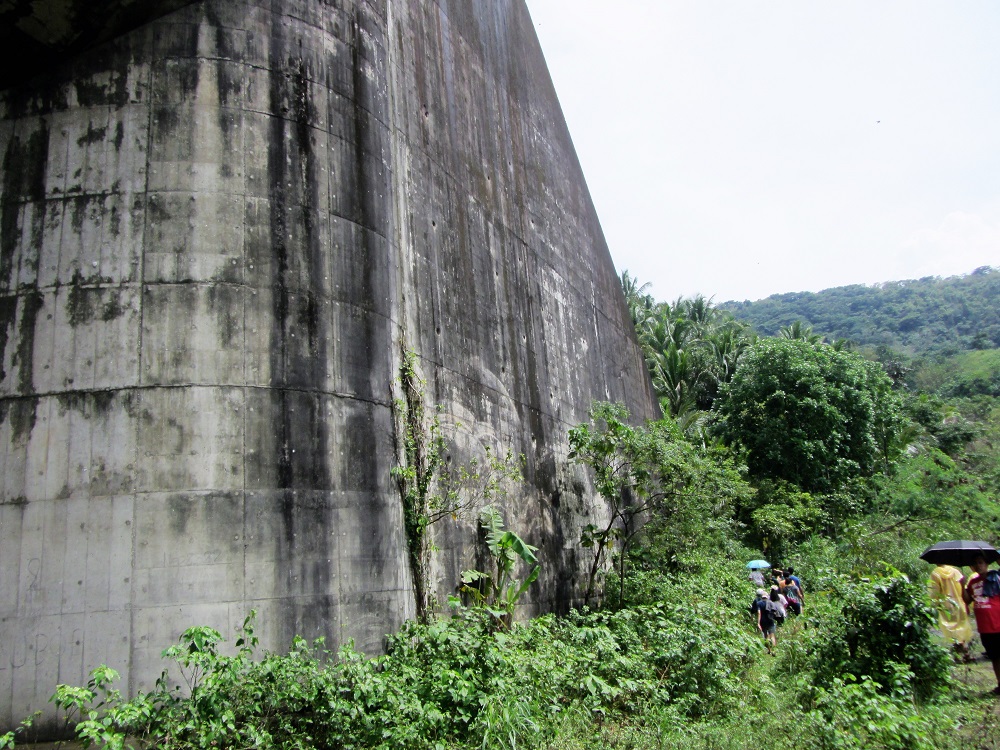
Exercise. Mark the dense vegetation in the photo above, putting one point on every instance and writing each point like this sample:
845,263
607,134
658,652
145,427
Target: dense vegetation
923,316
809,414
789,447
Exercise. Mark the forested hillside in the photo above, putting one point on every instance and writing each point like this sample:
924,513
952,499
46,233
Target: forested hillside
921,316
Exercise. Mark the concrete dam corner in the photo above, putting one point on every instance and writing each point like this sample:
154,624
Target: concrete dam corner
222,225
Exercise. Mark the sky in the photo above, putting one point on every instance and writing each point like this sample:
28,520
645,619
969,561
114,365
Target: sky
739,149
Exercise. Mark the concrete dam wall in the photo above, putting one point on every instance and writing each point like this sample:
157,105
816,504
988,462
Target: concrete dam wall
220,228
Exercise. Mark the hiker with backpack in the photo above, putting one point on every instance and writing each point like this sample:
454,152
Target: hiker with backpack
983,593
793,594
792,578
765,610
780,605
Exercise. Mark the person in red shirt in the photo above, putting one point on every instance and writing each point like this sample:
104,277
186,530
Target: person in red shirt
983,592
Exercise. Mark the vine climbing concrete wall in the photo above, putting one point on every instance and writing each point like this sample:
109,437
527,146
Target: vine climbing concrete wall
219,231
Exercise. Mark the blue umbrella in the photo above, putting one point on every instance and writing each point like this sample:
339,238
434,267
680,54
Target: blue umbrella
757,564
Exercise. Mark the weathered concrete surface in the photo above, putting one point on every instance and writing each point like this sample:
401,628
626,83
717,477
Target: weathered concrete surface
36,34
217,234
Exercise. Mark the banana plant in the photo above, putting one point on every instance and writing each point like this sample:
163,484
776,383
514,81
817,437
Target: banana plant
499,591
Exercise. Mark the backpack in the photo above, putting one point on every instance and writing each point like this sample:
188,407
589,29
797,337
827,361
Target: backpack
991,584
775,610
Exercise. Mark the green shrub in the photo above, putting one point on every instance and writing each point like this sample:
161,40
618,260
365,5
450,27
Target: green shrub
878,629
850,713
449,682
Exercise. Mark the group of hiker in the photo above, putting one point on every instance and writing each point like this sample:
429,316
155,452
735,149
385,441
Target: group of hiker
953,595
774,604
779,594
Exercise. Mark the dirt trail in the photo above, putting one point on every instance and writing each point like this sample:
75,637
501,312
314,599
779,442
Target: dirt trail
981,729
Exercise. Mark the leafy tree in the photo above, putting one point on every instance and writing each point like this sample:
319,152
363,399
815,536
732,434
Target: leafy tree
656,484
781,514
810,414
623,460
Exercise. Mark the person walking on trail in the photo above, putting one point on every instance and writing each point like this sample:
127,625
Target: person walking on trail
946,589
794,596
791,577
779,605
767,623
983,592
777,581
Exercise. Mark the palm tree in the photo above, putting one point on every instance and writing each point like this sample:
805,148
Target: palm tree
690,347
640,304
727,343
699,311
674,379
799,331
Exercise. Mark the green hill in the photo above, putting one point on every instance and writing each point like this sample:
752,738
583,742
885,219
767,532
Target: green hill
918,317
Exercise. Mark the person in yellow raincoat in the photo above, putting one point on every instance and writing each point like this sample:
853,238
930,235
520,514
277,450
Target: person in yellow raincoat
945,589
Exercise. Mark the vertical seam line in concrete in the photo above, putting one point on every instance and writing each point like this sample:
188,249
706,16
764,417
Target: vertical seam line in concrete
140,380
397,250
244,405
597,340
19,611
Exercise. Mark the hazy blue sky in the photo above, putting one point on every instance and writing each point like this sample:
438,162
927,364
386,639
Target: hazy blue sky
737,149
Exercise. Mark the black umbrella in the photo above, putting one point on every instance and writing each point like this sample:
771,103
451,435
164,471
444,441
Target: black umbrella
959,552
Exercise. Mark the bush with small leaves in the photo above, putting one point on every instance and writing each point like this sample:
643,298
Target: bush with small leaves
875,629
